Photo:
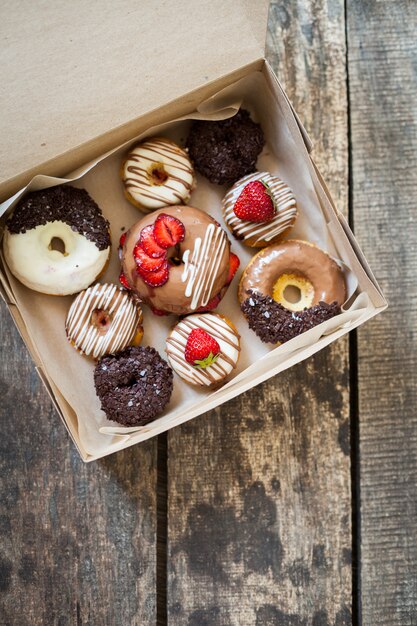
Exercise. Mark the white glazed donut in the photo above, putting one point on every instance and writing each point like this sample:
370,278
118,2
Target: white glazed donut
220,329
103,319
31,234
157,173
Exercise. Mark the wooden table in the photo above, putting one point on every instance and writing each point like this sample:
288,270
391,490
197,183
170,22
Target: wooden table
294,504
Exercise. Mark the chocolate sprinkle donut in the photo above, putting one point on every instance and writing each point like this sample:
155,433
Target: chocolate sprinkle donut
66,204
134,385
225,151
273,323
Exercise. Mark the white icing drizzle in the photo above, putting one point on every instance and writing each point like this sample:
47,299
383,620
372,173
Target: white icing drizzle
284,200
218,328
177,165
201,265
125,317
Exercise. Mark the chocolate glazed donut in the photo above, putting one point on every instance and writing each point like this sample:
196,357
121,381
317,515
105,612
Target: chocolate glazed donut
299,264
198,266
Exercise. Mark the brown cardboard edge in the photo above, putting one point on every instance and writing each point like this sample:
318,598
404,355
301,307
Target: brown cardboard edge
307,141
334,218
87,151
244,386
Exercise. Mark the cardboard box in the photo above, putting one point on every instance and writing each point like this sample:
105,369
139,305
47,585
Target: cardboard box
85,115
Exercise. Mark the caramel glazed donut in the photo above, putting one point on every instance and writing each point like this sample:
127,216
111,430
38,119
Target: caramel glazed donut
57,241
264,298
295,263
157,173
197,267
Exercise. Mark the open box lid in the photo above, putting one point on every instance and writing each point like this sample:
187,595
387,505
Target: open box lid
73,72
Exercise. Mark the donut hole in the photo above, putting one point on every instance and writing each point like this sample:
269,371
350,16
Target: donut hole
101,320
58,245
157,174
174,256
292,294
128,384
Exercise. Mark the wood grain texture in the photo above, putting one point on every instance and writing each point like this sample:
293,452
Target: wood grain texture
383,91
259,528
77,542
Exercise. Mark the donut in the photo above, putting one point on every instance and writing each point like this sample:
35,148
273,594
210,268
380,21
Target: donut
203,349
177,260
297,264
225,150
157,173
275,324
103,319
134,385
260,209
288,288
57,240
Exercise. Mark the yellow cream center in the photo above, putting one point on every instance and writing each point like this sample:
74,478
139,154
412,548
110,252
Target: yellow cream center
293,292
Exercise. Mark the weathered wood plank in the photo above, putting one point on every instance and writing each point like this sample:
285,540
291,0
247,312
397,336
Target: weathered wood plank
77,542
259,489
382,56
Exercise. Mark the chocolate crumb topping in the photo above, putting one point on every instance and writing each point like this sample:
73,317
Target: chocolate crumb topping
67,204
273,323
134,385
225,151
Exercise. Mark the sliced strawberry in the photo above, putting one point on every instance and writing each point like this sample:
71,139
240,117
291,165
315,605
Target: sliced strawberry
146,262
123,281
211,304
168,231
158,312
155,279
149,244
234,263
122,239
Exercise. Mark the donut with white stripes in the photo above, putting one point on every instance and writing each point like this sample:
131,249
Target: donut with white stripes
260,234
103,319
217,369
157,173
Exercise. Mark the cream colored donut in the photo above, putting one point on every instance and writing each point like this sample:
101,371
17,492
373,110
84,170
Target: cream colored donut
218,327
157,173
259,234
103,319
32,260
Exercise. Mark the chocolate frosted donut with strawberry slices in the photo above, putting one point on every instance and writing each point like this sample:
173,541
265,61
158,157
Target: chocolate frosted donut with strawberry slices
177,260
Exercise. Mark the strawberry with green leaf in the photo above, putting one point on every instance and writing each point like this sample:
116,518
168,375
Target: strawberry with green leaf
201,350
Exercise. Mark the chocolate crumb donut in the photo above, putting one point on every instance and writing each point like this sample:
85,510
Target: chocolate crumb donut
225,150
275,324
134,385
